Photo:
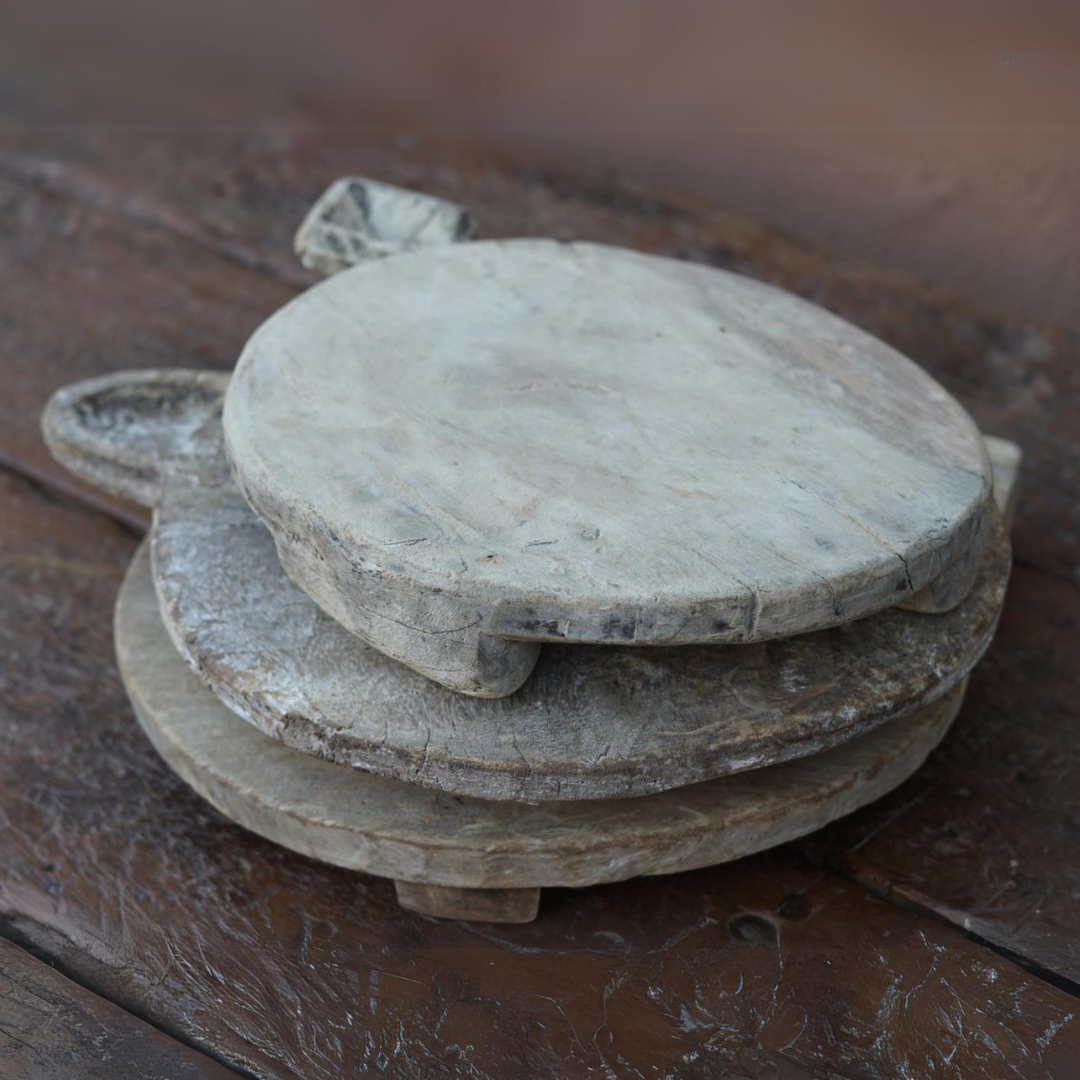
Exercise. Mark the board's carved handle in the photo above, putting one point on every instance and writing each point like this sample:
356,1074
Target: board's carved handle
356,220
124,432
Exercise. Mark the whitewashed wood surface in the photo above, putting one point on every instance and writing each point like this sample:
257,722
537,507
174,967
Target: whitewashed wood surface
124,432
357,219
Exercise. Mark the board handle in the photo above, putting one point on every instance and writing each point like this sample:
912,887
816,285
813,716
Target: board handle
125,432
357,220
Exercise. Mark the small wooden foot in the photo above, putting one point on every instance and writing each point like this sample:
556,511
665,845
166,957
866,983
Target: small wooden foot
473,905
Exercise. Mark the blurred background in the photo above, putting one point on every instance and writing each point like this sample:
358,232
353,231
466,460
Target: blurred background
937,138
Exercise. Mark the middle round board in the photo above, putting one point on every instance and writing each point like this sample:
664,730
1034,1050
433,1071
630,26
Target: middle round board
593,722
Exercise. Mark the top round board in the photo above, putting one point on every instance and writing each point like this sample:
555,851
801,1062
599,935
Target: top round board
467,450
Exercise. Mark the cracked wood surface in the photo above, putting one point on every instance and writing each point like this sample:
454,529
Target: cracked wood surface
183,245
225,221
471,448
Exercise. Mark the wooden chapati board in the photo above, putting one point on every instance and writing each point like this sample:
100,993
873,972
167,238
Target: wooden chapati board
470,449
404,831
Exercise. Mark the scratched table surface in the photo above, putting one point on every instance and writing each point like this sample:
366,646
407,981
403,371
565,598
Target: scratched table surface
934,934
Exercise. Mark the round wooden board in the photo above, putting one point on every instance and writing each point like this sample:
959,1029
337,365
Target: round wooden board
467,450
365,822
593,722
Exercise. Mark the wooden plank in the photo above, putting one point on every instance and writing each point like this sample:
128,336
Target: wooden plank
53,1029
299,970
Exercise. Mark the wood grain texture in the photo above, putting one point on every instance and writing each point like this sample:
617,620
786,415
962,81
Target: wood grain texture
221,212
592,722
143,424
1007,460
111,865
53,1029
351,818
951,586
987,837
472,905
475,447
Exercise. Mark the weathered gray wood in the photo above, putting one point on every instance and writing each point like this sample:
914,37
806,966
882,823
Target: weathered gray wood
357,219
470,449
79,787
593,722
281,663
950,586
407,832
123,432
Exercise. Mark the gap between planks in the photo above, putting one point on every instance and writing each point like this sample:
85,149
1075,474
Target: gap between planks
27,943
903,903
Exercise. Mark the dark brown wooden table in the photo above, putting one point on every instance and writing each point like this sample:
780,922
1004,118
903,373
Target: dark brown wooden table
935,934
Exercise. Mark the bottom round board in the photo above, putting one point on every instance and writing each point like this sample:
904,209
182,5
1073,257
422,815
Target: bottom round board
394,829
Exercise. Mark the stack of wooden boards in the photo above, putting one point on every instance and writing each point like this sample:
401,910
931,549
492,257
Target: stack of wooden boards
505,564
